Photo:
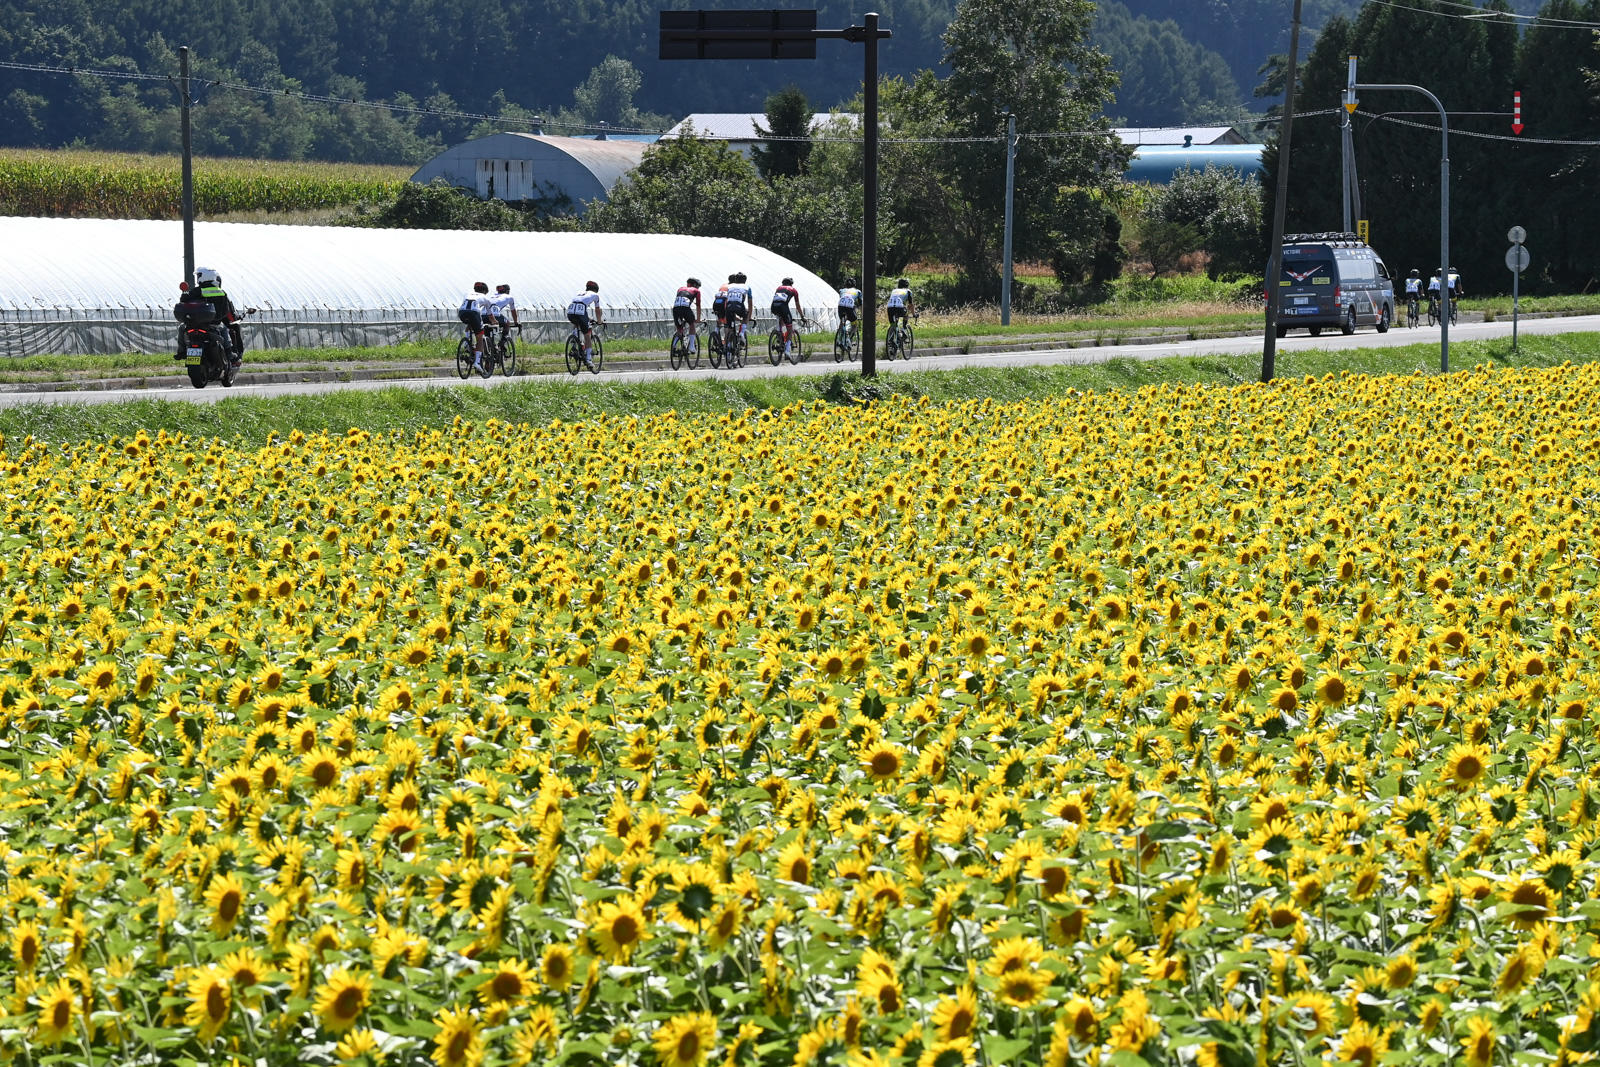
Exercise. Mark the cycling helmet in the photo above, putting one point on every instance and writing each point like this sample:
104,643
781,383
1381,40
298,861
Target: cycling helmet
904,283
205,276
850,282
788,281
1452,270
591,287
694,283
732,278
480,287
502,288
740,278
1416,274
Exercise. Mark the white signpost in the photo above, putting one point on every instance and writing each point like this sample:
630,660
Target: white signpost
1517,260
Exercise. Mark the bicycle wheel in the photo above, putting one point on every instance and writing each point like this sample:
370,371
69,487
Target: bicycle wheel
1411,314
464,357
841,344
738,352
909,347
596,356
508,357
1452,312
677,350
775,346
693,356
574,354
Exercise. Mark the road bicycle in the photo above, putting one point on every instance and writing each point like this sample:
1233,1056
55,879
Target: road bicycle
844,341
900,341
575,360
1411,312
1453,301
796,352
1433,311
729,346
467,359
501,348
683,353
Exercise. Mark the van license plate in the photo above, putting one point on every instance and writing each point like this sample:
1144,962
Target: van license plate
1302,300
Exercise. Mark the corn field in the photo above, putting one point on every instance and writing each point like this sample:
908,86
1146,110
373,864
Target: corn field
118,185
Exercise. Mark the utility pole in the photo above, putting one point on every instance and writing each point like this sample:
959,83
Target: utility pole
1011,199
188,169
869,218
1269,345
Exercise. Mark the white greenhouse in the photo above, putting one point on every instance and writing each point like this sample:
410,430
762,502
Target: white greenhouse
108,285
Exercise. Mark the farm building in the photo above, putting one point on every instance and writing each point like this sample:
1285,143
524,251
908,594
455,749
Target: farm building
108,285
740,129
565,172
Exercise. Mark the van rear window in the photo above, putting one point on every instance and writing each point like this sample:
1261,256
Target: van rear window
1307,271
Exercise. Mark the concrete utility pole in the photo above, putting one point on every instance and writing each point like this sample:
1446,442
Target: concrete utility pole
188,169
1011,199
1269,345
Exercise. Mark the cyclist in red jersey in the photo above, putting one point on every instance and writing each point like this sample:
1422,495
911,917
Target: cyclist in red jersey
785,306
687,298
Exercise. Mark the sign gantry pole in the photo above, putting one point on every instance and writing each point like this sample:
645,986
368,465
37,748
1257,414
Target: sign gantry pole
793,34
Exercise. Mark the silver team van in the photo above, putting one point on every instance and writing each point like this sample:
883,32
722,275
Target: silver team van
1333,279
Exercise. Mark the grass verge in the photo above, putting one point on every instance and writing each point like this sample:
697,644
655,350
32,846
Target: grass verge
250,420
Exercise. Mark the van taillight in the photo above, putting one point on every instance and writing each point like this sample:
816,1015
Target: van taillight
1338,297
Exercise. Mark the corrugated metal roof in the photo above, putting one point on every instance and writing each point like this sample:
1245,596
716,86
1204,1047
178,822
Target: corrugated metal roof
1200,135
607,160
736,126
83,265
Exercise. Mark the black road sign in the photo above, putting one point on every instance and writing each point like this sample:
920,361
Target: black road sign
739,35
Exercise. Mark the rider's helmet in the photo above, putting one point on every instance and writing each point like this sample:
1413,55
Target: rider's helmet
732,278
591,287
788,281
850,281
480,287
1416,273
694,283
904,283
502,288
205,277
1452,270
740,278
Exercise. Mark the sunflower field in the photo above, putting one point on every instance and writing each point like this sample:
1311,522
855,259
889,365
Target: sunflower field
1180,726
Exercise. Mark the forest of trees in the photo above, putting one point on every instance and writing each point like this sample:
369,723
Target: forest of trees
1497,180
508,59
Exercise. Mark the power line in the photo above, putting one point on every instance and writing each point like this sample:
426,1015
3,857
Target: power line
1382,116
1478,14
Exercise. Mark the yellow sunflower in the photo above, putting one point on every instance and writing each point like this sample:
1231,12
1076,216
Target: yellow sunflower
459,1042
342,998
685,1040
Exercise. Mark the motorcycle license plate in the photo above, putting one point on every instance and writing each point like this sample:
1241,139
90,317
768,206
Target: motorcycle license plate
192,360
196,353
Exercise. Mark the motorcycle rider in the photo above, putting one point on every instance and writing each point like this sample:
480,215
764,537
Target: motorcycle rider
209,288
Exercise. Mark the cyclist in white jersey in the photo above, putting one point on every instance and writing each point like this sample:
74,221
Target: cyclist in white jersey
849,300
900,302
739,301
584,312
504,306
473,313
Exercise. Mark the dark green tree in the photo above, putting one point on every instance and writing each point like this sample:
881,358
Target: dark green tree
1165,79
788,115
1224,210
686,185
1035,61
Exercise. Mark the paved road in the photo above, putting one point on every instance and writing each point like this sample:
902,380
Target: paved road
1295,342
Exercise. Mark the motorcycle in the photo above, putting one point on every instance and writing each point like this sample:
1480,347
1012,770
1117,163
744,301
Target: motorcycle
204,343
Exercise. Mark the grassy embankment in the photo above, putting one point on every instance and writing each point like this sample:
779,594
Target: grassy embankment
249,420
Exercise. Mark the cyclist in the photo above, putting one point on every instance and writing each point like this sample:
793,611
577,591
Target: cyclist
785,306
849,299
584,314
1414,285
1453,280
900,302
502,305
739,301
473,312
686,311
1433,296
719,308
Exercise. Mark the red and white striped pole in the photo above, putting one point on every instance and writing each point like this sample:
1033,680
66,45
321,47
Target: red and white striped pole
1516,112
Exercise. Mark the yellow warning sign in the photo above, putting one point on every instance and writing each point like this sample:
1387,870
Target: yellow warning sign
1361,229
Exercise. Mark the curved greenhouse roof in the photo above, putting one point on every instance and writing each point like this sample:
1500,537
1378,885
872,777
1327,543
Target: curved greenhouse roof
1158,163
99,285
95,264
